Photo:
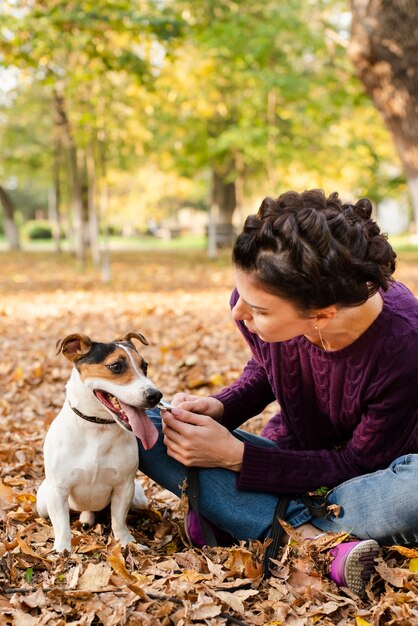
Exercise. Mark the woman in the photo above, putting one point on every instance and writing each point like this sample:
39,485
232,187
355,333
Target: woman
334,339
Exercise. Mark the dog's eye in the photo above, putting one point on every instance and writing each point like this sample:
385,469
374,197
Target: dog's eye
117,368
145,367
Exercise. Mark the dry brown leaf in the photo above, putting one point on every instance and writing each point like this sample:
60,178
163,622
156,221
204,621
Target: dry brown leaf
192,576
215,569
72,576
37,599
303,575
35,312
89,547
203,610
23,619
116,560
235,599
409,553
240,562
396,576
95,577
6,492
26,549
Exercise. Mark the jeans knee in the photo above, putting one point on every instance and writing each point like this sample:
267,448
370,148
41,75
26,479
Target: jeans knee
406,466
382,505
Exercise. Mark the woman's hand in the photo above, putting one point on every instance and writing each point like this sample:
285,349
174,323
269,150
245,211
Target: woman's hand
199,441
199,404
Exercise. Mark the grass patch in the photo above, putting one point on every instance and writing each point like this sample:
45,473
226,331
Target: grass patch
184,242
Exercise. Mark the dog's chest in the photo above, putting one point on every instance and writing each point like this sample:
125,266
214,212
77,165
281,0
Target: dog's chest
91,453
91,487
102,458
90,466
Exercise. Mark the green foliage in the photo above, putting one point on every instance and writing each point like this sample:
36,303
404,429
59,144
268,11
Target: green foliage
98,60
30,196
28,575
37,229
264,91
261,92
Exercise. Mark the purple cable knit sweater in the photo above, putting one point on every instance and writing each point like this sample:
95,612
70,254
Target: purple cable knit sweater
343,413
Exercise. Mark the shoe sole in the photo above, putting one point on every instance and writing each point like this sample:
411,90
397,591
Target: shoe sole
359,565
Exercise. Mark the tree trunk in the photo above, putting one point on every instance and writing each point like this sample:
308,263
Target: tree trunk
54,199
384,48
10,228
93,217
75,178
224,202
224,197
104,207
272,133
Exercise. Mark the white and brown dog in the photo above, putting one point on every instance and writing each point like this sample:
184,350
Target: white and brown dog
90,450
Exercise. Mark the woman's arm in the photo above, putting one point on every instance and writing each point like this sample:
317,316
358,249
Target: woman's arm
387,429
246,397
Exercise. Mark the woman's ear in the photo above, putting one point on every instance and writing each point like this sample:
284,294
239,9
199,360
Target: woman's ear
321,317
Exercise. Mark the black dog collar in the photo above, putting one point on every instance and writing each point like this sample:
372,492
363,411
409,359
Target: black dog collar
91,418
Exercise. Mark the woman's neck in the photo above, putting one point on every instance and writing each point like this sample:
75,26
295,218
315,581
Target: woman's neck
347,325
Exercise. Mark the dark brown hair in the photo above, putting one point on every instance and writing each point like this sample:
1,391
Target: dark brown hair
315,251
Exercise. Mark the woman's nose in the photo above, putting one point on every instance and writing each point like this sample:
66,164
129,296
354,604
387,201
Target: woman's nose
241,311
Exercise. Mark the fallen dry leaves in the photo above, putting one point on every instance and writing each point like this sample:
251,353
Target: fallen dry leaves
180,303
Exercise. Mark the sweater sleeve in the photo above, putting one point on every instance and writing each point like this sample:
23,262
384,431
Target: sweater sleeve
247,396
387,429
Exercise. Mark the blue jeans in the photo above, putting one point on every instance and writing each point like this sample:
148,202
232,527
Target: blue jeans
382,505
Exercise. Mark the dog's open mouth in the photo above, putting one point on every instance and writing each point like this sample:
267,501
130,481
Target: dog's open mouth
130,417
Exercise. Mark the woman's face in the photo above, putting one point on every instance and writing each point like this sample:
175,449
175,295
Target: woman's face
270,317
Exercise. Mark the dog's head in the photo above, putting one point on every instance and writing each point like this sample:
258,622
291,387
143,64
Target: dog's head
116,374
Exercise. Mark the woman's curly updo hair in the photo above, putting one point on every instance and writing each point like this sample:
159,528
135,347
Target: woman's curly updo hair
315,251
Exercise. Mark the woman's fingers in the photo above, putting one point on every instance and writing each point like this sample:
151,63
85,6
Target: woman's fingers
178,398
196,405
194,439
204,405
181,396
178,414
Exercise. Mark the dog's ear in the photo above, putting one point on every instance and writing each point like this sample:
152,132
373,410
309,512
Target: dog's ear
129,336
74,346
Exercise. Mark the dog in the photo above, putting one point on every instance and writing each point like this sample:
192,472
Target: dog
90,449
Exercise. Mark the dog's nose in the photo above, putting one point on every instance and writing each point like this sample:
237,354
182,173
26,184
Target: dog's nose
153,396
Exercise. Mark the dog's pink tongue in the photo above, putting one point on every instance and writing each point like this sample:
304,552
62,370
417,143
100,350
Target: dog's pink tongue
141,425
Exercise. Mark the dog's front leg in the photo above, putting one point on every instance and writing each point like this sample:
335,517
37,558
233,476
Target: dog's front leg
121,501
59,514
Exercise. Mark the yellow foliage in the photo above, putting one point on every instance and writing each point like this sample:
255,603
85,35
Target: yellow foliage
413,565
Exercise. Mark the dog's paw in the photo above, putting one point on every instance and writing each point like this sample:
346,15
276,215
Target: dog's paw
139,500
124,538
62,547
139,505
87,519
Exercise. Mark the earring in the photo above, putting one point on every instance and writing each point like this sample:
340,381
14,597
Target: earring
320,337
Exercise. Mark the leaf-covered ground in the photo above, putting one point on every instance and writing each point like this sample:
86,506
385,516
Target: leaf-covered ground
180,303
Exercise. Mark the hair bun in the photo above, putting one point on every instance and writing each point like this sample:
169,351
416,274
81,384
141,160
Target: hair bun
363,208
315,251
269,208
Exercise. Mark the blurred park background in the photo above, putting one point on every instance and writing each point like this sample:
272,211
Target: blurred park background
135,137
163,123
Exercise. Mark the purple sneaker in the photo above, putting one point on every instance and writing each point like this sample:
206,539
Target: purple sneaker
353,564
195,536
